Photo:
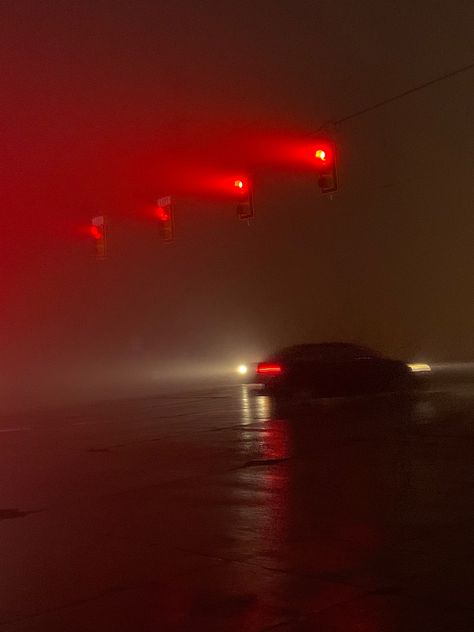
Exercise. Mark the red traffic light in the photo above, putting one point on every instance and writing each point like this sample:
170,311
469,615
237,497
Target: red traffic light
325,163
95,232
162,214
324,155
241,185
320,154
245,204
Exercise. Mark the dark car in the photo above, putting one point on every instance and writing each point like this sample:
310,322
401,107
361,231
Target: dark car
331,370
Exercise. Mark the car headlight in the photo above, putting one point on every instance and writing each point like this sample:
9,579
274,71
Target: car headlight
419,367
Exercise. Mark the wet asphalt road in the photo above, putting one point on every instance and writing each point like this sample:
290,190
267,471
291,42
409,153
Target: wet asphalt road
222,511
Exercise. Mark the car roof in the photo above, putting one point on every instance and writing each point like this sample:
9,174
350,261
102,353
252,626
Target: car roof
331,349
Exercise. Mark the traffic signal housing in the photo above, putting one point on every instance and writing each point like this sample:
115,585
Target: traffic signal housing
245,210
325,162
165,217
99,233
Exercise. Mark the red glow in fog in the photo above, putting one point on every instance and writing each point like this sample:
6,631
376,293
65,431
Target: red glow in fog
269,368
240,185
320,154
95,232
162,214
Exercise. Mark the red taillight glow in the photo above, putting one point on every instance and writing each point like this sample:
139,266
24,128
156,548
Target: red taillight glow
269,368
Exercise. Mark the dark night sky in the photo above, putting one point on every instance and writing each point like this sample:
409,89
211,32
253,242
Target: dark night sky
92,93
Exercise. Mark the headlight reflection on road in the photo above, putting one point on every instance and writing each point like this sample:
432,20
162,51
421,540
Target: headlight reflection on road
254,407
264,408
246,406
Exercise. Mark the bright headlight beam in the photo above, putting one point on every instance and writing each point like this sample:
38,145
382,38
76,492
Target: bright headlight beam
419,367
242,369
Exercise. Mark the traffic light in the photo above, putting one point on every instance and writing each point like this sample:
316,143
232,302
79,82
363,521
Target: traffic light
245,210
99,234
325,160
164,215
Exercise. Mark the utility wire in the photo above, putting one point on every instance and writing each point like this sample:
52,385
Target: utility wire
421,86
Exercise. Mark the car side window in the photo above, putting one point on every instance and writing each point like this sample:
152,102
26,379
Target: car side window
344,354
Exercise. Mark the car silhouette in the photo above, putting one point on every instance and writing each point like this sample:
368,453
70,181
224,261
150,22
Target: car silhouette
332,369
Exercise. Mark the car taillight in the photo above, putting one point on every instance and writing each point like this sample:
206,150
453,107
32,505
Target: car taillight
269,368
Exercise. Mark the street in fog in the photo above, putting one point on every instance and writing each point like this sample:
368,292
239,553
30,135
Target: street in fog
282,188
220,510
